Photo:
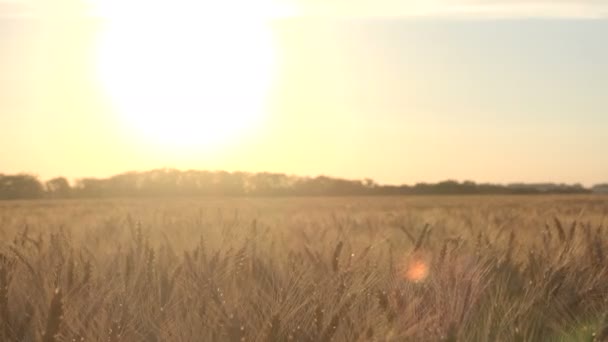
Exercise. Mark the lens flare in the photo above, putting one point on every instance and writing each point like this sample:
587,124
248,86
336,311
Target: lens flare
416,267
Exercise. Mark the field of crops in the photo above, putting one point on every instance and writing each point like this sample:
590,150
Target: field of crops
447,268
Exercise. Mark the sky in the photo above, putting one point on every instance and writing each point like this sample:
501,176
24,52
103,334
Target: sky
398,91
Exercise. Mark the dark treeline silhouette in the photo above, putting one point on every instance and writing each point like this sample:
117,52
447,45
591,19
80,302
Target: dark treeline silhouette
600,189
169,182
20,186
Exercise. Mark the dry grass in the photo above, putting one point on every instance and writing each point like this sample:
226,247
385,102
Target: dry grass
339,269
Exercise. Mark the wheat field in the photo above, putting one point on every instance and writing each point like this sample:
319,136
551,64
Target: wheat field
484,268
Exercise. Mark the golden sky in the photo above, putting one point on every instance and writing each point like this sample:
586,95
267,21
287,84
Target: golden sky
397,91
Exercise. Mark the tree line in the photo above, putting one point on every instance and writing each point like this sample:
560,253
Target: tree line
170,182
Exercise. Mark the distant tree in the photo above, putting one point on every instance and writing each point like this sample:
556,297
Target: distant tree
58,188
600,188
90,187
22,186
369,183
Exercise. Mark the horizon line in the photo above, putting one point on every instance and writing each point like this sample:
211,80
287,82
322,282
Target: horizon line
449,179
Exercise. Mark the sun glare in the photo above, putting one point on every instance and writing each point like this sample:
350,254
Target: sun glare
195,76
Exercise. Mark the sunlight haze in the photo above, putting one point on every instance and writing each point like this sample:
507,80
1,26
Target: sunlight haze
303,170
398,91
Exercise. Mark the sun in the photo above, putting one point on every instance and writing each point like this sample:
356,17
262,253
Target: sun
189,76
